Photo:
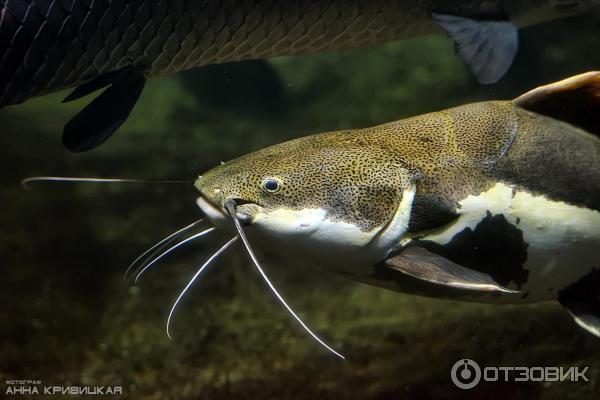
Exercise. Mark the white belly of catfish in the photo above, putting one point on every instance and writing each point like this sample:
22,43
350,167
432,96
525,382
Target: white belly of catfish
563,240
309,237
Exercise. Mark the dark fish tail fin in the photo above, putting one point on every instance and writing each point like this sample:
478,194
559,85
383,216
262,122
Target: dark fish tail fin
487,47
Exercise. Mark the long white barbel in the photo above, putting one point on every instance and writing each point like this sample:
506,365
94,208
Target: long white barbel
202,268
70,179
158,246
231,209
172,248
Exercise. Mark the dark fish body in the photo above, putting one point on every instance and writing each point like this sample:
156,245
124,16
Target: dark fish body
48,45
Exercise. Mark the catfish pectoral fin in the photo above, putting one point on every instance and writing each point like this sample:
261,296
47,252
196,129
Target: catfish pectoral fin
582,300
104,115
425,265
487,47
587,319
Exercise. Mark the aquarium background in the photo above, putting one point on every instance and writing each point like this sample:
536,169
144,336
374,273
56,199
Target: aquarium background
67,316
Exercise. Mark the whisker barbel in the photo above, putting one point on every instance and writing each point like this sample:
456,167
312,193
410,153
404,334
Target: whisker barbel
470,203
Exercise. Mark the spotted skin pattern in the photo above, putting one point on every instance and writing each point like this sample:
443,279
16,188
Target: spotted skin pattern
488,202
340,172
359,177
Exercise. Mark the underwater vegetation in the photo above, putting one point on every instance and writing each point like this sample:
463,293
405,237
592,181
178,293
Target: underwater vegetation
67,316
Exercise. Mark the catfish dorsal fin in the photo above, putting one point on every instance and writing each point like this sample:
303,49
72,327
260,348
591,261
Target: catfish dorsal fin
575,100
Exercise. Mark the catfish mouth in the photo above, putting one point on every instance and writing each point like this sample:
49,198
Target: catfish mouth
228,215
234,213
215,214
245,211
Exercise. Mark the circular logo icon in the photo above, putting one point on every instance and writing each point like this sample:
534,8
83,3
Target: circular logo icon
465,373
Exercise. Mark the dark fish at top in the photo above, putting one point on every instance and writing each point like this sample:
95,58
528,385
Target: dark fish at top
48,45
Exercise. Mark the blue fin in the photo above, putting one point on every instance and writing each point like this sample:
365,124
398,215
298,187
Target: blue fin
487,47
104,115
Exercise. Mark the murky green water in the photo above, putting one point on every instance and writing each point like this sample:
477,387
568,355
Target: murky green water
68,318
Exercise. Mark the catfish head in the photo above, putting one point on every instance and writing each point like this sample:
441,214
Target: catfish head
331,199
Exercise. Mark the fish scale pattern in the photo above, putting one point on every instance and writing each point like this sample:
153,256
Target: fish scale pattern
47,45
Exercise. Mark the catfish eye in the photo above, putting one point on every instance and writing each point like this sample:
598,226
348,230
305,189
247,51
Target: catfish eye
271,185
